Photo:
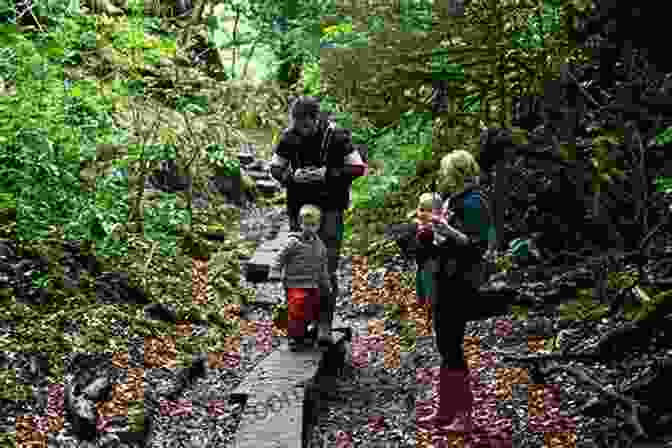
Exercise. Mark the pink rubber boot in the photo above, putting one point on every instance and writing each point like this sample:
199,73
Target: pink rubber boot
455,402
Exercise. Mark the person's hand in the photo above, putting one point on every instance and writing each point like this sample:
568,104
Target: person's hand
310,174
425,233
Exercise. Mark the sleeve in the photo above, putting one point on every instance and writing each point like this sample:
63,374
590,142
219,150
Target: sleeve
443,231
474,221
324,275
280,260
281,158
283,150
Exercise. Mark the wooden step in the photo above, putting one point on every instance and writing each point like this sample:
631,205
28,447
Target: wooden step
273,397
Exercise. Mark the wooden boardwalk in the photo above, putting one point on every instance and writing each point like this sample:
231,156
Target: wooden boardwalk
281,396
276,412
273,397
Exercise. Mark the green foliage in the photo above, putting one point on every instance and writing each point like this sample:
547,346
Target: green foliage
310,80
218,155
7,64
136,415
416,15
664,137
622,280
407,336
10,389
520,312
280,312
336,31
583,308
664,184
539,28
161,223
369,192
407,280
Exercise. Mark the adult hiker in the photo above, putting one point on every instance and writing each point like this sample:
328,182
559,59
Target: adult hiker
459,235
317,162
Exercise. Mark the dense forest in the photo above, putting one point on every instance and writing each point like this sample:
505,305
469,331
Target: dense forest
126,211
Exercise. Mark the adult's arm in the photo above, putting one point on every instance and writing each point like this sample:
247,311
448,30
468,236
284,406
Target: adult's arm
443,231
280,162
280,169
353,165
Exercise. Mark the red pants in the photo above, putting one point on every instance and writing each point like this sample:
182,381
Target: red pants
303,304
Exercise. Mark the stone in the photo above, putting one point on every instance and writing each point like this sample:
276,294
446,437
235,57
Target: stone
268,187
99,390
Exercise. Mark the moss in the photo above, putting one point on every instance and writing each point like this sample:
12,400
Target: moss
583,308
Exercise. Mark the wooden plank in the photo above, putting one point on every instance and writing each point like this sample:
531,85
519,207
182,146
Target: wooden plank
273,396
274,410
279,369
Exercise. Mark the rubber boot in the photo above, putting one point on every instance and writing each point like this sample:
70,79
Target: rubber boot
455,402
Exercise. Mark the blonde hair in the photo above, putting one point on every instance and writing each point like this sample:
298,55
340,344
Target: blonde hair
310,211
427,200
455,169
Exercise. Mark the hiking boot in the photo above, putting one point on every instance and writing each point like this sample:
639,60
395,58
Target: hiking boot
324,338
455,402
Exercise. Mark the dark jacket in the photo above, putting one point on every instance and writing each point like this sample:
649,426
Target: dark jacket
304,260
301,152
457,262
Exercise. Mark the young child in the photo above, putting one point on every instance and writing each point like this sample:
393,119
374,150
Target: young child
426,263
304,260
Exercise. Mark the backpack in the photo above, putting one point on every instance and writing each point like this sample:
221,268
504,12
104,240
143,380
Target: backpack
478,272
326,140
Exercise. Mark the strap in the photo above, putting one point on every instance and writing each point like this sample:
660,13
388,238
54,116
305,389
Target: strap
326,140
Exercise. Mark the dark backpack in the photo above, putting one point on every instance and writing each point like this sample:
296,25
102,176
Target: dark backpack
326,140
471,264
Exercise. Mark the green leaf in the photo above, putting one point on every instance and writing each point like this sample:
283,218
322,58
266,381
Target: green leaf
664,184
664,137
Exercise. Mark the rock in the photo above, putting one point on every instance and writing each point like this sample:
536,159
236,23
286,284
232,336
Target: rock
230,187
82,413
259,175
114,287
259,165
161,311
99,390
247,154
7,249
268,187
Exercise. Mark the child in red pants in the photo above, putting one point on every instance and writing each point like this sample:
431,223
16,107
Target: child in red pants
306,277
